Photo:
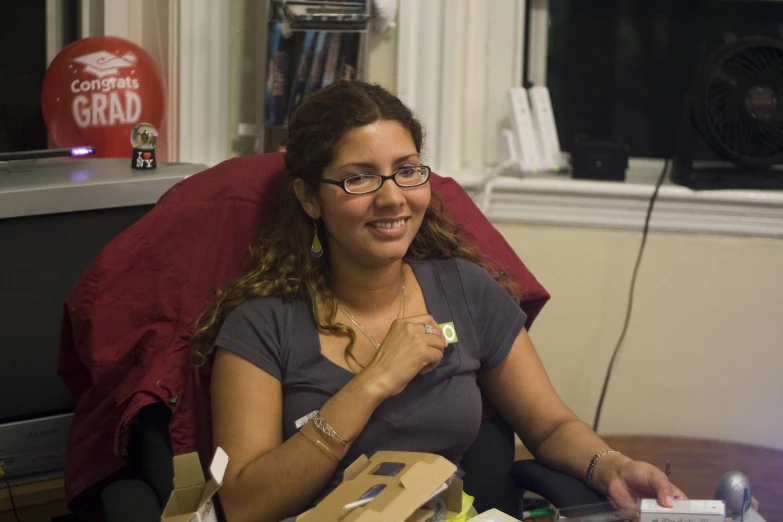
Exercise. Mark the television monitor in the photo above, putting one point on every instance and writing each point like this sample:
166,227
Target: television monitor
55,217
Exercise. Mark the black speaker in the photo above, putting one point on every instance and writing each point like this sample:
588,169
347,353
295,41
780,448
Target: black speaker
598,159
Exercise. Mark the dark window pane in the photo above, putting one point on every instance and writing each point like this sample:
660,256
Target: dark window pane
620,69
22,69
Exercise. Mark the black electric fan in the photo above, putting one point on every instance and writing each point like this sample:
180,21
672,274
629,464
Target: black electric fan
731,129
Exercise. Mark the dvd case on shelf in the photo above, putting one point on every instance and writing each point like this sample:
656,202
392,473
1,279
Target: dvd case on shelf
310,45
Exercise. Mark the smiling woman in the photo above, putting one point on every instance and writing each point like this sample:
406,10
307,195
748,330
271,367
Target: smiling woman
370,222
380,331
351,128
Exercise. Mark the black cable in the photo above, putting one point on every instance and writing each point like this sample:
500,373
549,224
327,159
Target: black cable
11,498
630,294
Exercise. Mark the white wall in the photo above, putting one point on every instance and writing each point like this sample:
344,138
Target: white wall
382,62
703,355
247,56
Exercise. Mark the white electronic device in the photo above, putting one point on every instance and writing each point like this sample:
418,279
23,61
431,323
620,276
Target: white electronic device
683,510
533,146
528,148
544,120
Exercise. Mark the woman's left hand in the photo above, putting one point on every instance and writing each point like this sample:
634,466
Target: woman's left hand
631,480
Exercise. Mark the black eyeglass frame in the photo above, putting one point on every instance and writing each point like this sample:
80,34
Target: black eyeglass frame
393,176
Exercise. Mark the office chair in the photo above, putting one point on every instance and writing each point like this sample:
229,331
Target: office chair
236,194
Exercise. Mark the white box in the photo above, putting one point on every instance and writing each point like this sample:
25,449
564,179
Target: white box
683,511
191,500
493,515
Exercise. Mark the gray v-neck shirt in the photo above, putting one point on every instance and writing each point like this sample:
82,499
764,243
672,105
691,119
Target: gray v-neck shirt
438,412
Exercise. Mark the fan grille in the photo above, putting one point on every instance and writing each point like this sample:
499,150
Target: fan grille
744,104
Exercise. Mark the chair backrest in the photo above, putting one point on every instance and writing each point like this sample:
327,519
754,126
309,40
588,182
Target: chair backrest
250,188
127,322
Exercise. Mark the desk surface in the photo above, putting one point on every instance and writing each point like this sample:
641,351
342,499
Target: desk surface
698,464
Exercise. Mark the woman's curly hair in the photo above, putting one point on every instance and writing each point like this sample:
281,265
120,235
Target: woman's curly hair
280,261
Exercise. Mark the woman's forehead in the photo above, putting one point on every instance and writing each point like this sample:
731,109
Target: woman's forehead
380,141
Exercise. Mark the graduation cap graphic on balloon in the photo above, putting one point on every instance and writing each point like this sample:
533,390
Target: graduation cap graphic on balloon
104,63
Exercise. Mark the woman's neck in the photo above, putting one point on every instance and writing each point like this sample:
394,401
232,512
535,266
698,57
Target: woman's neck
368,290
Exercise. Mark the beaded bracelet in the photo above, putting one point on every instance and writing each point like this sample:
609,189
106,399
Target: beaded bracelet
593,462
326,429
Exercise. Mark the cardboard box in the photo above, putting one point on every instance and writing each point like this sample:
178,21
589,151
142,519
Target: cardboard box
398,482
191,500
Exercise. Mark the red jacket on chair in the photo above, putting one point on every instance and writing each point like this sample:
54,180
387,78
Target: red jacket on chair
126,323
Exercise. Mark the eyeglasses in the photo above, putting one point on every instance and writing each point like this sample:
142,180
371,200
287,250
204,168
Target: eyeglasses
365,183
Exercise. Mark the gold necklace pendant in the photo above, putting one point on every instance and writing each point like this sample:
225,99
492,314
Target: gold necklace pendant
401,313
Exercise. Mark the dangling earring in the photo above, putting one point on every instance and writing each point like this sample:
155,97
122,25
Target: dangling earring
316,250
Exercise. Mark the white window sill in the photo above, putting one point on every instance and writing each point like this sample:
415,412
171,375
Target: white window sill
560,200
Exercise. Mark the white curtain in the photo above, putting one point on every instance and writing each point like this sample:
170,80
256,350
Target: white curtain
203,80
190,41
456,61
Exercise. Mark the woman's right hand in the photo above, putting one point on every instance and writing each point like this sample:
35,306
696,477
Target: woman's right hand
406,351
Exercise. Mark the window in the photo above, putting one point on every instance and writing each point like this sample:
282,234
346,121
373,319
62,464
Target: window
620,69
23,62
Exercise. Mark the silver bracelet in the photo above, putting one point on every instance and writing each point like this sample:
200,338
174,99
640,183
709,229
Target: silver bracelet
326,429
593,462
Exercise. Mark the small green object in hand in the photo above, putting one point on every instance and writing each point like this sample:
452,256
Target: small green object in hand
538,513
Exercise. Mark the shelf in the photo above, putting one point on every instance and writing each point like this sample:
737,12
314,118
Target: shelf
323,16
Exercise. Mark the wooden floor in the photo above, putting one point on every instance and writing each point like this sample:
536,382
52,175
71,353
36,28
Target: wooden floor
698,464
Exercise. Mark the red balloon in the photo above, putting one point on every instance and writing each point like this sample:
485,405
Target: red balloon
97,90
